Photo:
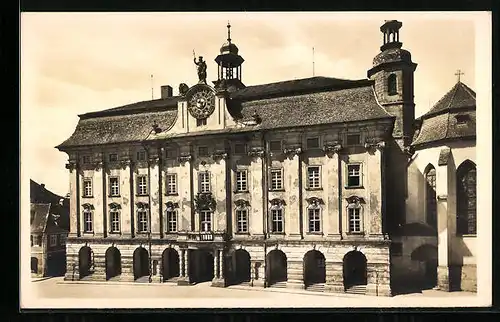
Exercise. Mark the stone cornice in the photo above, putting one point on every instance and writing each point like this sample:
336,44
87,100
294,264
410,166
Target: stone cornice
153,161
126,163
332,148
372,145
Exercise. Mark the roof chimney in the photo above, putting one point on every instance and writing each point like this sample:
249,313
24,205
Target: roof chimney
166,91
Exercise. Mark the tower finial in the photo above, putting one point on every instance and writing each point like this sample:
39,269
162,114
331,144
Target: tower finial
228,32
458,73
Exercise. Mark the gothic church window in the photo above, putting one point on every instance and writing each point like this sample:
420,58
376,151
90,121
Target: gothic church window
466,198
430,197
392,84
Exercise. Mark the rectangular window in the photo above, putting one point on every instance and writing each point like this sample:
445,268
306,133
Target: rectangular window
201,122
353,139
88,226
171,221
114,217
142,185
62,240
354,175
142,221
277,220
275,146
87,187
114,186
86,159
240,148
314,177
171,184
241,181
53,240
314,220
113,157
241,220
276,179
354,220
39,240
203,151
206,220
171,153
141,155
312,143
204,181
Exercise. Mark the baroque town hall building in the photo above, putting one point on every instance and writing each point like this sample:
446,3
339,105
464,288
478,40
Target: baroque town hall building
319,183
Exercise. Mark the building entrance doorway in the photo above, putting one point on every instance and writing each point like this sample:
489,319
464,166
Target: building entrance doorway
170,264
201,265
141,263
113,262
354,269
240,262
276,267
314,268
84,261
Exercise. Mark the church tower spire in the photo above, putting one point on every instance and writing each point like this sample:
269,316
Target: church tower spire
229,65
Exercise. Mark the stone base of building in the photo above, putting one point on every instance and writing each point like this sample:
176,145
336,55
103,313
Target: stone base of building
334,288
378,290
443,280
218,282
183,281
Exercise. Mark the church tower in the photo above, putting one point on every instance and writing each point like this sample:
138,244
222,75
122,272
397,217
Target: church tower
229,65
393,73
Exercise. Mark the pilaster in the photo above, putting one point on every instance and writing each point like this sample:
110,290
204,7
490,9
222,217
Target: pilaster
443,229
154,180
292,186
333,174
256,216
184,185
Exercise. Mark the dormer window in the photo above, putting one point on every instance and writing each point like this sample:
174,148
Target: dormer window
462,118
392,84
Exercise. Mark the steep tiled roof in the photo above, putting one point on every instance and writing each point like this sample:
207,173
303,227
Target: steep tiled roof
297,86
443,121
40,195
118,128
302,102
345,105
38,217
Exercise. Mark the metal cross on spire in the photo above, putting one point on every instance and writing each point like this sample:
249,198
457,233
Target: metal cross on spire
228,32
458,73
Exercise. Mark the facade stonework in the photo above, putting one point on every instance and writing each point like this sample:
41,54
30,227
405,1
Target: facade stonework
298,184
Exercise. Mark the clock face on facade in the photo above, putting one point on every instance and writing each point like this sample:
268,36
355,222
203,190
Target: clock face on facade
201,104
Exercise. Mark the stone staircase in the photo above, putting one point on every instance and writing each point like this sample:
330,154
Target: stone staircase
278,285
317,287
357,289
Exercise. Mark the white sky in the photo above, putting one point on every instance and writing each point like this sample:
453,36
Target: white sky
82,62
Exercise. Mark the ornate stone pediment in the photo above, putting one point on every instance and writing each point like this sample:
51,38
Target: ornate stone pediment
256,152
185,157
88,206
355,200
277,202
114,206
170,205
204,201
218,155
314,201
290,152
142,205
242,203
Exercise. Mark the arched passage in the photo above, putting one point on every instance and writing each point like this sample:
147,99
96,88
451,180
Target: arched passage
276,267
428,256
34,265
242,266
314,268
201,265
354,269
113,262
84,261
170,263
141,263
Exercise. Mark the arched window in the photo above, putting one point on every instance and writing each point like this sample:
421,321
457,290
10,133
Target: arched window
430,196
241,212
314,215
277,216
392,84
466,198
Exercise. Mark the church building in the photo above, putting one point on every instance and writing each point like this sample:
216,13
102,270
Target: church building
320,183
